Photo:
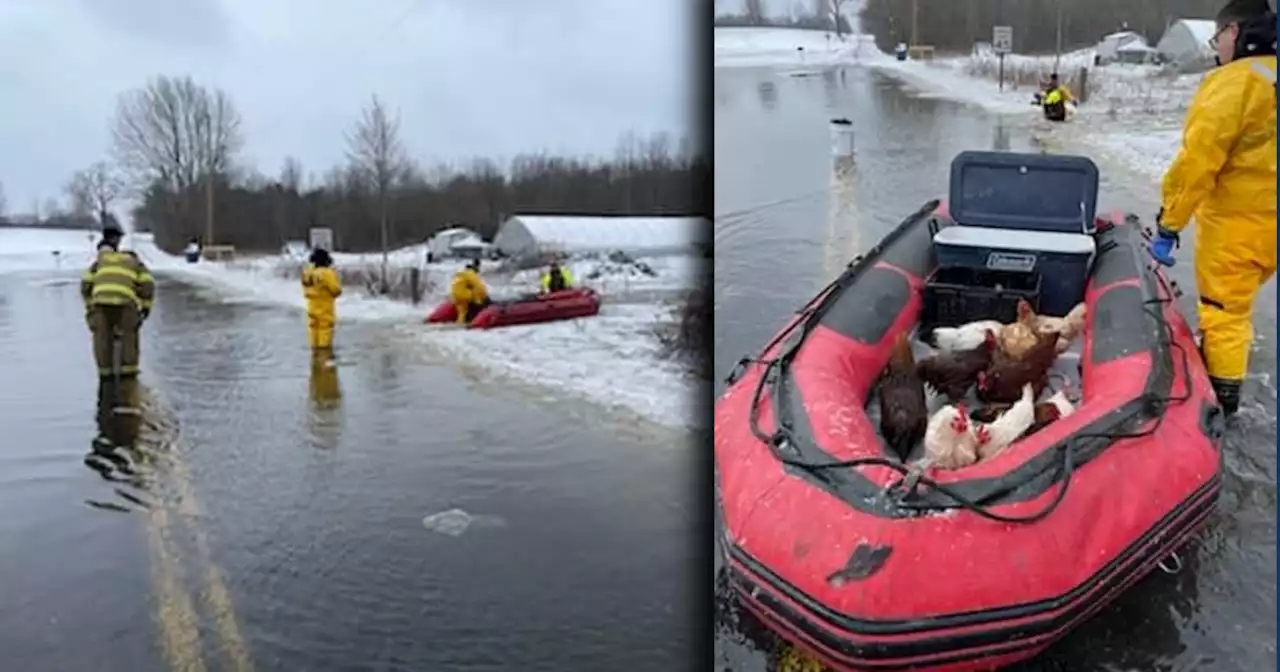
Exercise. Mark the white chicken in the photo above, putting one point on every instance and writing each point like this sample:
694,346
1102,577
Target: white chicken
1061,402
964,337
949,438
999,434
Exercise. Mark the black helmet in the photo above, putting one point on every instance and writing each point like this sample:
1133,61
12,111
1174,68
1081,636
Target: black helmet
112,230
320,257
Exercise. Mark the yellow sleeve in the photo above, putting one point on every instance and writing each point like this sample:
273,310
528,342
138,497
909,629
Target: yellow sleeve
460,290
333,283
568,277
1212,128
545,281
86,282
145,285
479,291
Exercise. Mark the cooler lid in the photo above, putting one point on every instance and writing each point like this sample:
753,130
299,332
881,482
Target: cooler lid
1038,192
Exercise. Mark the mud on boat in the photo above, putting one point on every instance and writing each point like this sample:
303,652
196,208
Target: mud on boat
531,309
847,552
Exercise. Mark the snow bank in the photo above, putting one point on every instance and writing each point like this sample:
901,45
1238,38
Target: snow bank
613,359
800,49
35,249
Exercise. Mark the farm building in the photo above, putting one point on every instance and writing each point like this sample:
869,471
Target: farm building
528,235
1186,43
1109,47
1136,53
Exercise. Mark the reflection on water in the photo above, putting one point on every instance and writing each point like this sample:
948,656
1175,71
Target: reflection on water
768,95
1218,612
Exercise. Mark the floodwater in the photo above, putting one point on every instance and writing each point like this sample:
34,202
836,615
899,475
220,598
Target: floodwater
777,244
278,524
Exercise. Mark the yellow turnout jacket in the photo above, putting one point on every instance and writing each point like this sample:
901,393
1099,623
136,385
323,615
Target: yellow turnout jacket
117,278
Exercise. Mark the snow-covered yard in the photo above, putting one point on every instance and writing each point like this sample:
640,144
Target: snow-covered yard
614,359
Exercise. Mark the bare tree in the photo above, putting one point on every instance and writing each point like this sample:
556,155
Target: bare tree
375,150
291,174
94,189
835,8
52,208
173,133
755,12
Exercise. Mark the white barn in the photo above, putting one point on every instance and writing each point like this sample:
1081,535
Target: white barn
527,235
1186,43
1109,47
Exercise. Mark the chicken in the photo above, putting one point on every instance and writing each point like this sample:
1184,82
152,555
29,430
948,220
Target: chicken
1003,380
964,337
1019,336
953,373
949,438
1067,328
903,413
1000,434
1056,406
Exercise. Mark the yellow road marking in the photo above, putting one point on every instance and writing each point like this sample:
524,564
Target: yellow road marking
179,624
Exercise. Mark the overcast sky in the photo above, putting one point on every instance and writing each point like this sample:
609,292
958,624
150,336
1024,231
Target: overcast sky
470,77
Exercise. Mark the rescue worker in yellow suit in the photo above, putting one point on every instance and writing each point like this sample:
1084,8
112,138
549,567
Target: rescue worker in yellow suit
556,279
468,292
1054,98
321,287
118,291
1225,176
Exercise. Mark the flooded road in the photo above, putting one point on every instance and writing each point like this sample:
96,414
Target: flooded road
786,225
285,528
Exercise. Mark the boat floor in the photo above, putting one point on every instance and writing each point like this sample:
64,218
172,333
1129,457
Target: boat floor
1064,372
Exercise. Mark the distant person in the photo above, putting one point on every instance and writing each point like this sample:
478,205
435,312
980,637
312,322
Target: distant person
1225,176
192,252
468,292
321,287
1054,98
118,291
556,279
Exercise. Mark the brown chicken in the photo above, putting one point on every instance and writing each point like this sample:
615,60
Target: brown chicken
1067,328
1018,337
903,413
1002,381
953,373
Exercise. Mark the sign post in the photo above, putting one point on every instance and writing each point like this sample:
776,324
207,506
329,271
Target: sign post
1002,44
321,239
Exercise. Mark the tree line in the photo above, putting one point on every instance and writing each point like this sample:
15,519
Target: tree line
955,26
176,151
816,15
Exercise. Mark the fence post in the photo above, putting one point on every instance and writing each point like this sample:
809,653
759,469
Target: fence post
1084,85
415,286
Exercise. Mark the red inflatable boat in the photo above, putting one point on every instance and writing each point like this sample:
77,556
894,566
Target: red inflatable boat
868,565
531,309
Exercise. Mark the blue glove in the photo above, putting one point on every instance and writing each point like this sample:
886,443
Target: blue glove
1163,245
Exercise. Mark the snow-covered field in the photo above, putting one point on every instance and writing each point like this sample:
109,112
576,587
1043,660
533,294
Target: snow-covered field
613,359
1133,116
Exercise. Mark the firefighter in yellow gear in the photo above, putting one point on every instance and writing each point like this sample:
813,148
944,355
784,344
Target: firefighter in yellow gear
1054,99
118,291
468,293
321,287
556,279
1225,176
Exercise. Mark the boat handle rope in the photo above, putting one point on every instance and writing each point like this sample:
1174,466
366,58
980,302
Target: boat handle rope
782,440
1174,563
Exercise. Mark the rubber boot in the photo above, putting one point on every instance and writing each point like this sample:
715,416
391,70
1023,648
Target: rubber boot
1228,393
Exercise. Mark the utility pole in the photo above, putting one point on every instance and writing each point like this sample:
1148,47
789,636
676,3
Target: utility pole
915,23
208,207
1057,52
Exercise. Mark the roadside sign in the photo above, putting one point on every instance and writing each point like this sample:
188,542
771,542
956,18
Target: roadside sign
1002,39
322,239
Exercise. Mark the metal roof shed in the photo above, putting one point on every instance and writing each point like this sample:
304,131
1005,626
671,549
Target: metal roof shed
523,235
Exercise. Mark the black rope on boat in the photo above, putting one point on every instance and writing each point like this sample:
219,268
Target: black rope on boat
782,440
